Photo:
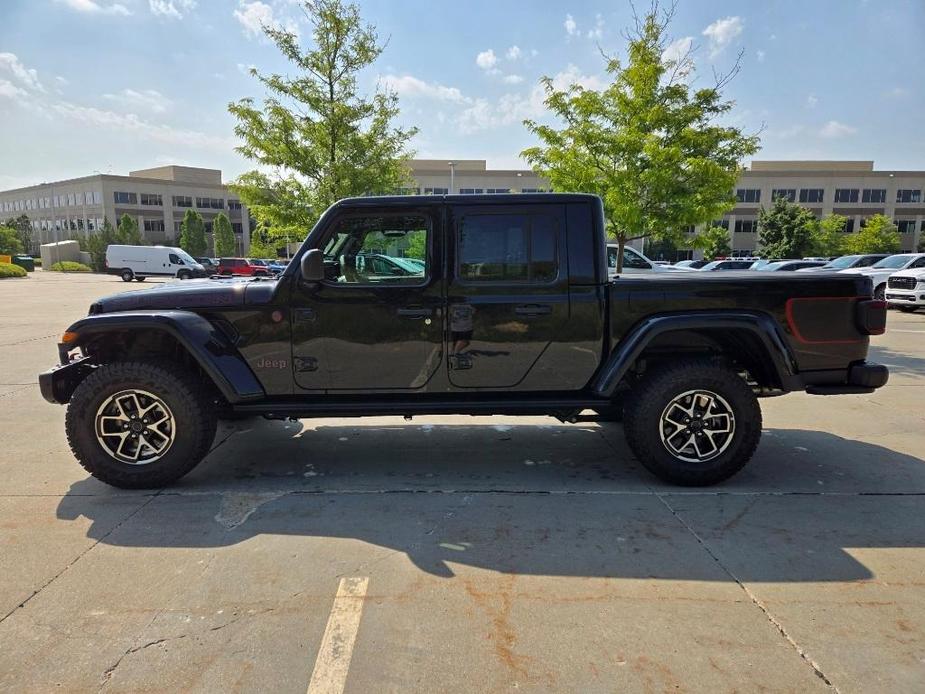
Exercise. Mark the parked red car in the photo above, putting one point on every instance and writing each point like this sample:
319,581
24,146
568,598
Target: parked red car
240,266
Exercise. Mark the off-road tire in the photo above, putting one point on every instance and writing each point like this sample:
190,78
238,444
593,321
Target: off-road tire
652,394
127,275
880,292
190,403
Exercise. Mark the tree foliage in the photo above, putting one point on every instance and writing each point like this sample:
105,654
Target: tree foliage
786,230
648,144
23,227
10,243
878,235
316,138
714,242
263,244
128,233
96,244
223,236
193,234
828,235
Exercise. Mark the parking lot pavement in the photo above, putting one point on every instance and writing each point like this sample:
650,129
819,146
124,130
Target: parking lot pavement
460,553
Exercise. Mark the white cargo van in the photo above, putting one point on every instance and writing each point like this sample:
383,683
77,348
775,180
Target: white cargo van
139,262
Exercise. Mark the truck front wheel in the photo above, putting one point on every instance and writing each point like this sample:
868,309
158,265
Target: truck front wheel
138,425
692,423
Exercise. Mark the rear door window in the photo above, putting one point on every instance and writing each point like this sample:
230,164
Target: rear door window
505,248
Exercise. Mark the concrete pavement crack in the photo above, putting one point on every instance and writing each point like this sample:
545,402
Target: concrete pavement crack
77,558
817,670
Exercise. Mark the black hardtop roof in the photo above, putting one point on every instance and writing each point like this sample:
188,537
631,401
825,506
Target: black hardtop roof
477,199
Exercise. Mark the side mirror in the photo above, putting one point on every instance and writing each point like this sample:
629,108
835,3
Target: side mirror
313,266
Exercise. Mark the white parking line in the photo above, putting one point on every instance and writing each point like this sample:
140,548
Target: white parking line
894,330
333,661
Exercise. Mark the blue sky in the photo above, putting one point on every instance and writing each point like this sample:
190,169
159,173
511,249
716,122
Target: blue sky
113,85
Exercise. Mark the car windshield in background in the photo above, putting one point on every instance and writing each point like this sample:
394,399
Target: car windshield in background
894,262
770,267
186,257
845,261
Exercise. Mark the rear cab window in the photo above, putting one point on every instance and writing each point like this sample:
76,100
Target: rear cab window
508,248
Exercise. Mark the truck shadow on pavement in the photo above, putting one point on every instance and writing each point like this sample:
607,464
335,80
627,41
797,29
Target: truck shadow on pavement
805,509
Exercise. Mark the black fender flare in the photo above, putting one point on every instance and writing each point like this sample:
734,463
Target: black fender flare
761,325
212,349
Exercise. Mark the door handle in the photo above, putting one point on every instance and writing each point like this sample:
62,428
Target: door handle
533,310
415,313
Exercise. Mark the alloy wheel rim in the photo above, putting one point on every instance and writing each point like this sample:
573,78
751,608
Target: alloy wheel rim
697,426
135,427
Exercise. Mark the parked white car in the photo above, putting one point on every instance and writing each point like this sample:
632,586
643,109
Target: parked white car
635,262
905,289
139,262
881,270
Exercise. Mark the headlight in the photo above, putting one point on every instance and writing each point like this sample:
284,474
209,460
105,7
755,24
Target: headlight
921,284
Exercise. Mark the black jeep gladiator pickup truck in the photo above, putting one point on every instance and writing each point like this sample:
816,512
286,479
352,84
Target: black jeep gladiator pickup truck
464,304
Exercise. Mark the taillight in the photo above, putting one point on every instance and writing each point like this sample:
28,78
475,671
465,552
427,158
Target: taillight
870,316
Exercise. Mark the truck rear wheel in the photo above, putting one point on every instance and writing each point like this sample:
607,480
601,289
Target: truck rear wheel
137,425
127,275
693,423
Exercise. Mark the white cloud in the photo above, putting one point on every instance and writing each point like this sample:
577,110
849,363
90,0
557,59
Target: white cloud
256,15
512,79
833,129
760,55
27,77
147,100
93,7
812,101
408,85
174,9
676,50
571,28
722,32
486,59
597,33
61,80
513,53
10,90
572,75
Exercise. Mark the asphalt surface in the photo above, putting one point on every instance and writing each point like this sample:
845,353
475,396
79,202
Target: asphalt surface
462,554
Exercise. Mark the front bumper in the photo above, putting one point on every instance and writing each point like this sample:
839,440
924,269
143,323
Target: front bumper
906,297
58,384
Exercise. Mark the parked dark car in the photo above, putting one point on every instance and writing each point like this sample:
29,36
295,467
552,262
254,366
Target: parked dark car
208,264
512,313
692,264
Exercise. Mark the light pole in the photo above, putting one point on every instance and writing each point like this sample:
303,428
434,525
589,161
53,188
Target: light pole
452,174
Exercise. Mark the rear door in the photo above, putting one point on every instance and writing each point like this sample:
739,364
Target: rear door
507,296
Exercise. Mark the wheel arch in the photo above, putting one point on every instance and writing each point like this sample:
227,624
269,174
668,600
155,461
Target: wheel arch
752,340
179,335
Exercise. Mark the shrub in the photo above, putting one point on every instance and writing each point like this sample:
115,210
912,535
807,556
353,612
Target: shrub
69,266
9,270
37,262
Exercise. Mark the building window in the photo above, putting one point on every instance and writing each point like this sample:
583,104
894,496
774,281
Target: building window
154,225
152,199
746,226
497,191
91,224
435,191
182,201
849,226
689,229
811,194
176,227
789,194
471,191
905,226
724,223
125,198
237,228
409,191
533,190
846,195
508,248
210,203
748,195
908,195
234,204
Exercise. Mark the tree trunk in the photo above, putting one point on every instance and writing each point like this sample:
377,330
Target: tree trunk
621,242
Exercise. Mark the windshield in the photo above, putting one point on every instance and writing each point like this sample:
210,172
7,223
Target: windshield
893,262
710,266
256,261
768,267
185,257
843,262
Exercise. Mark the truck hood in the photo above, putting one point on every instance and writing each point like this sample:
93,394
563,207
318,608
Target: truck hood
918,273
190,294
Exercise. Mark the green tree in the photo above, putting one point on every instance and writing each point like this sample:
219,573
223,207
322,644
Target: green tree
223,236
649,144
10,243
128,233
263,244
23,227
193,234
319,136
714,242
97,243
787,230
878,235
828,235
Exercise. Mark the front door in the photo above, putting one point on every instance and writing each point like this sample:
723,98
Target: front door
508,295
376,321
